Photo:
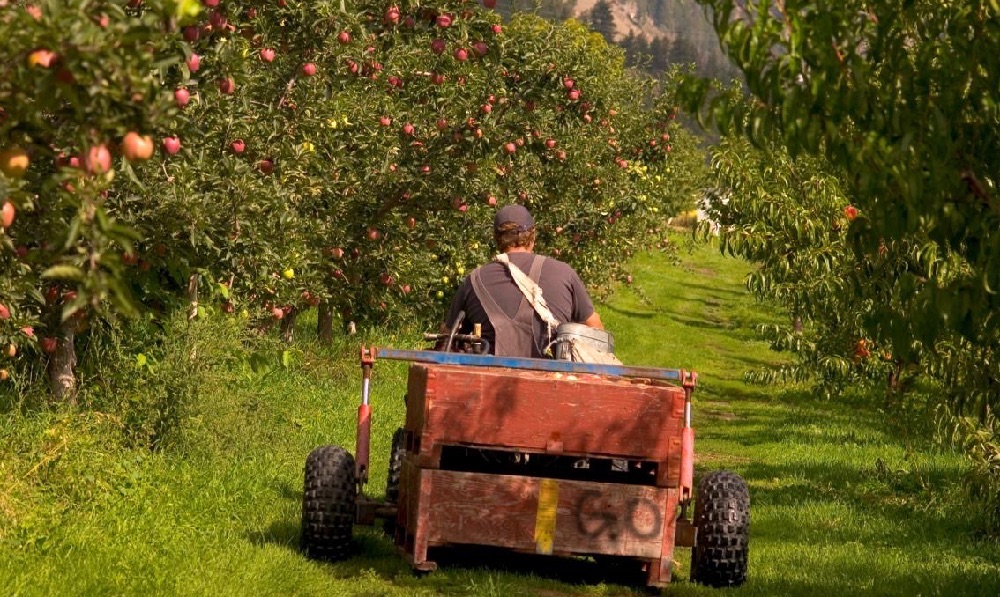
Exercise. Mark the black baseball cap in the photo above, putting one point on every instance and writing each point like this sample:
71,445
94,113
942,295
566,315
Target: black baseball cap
515,213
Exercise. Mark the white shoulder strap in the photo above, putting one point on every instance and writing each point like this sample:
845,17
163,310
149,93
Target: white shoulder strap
530,290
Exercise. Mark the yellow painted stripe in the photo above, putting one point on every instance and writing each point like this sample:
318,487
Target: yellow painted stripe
545,518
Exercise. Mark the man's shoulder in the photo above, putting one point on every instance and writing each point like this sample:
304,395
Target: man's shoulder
556,266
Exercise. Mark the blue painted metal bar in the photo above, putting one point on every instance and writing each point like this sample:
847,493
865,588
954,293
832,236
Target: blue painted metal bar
458,358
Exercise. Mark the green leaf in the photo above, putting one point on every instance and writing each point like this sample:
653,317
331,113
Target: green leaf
64,272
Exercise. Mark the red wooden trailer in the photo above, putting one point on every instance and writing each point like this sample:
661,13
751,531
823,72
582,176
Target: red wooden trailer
538,456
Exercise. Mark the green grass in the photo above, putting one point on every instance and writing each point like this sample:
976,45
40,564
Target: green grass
846,499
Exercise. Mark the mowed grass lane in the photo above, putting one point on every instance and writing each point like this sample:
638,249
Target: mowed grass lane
842,502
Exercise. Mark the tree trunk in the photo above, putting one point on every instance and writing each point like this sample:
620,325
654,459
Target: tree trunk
193,296
288,325
324,324
62,362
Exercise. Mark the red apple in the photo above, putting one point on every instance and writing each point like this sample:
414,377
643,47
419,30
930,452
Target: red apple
182,96
510,147
344,37
238,146
137,147
850,212
7,214
443,20
486,108
218,20
550,143
373,234
210,3
277,312
491,201
97,160
336,252
266,166
227,85
480,48
385,121
405,288
438,46
497,29
191,34
437,78
408,129
4,312
28,331
391,15
573,94
194,62
267,54
308,69
171,145
461,54
411,222
48,344
442,124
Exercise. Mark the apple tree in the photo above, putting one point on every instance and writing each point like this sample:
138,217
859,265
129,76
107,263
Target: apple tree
79,95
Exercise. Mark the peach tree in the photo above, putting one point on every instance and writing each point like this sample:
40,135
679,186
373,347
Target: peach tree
901,104
883,94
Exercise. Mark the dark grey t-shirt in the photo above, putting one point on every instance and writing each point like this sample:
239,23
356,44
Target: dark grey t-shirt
562,288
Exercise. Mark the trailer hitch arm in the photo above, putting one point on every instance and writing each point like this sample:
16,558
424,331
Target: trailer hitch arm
363,443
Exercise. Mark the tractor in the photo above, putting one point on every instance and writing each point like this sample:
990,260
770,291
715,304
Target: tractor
544,456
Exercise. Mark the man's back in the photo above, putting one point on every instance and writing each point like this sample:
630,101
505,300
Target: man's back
562,289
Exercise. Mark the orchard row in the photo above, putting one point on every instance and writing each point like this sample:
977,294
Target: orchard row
261,158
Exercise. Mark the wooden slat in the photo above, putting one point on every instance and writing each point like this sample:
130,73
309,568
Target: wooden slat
502,510
533,411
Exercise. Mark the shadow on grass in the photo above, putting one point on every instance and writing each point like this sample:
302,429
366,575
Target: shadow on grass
374,551
718,292
631,313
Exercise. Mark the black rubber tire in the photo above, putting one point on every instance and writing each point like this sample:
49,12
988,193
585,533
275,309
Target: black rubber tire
722,517
328,504
396,454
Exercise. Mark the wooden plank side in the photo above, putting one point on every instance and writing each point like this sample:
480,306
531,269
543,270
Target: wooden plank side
416,387
531,411
590,518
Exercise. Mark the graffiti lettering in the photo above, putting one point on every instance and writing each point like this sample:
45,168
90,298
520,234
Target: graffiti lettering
597,516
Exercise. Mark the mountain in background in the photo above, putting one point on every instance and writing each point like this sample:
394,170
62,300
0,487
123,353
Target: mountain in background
655,34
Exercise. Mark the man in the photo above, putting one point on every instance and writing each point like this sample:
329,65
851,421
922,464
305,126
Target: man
492,295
